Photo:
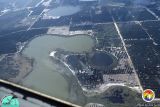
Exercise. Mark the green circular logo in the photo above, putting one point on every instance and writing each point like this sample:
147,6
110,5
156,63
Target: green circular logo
10,101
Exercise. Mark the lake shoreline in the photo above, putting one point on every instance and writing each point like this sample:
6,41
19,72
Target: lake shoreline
39,48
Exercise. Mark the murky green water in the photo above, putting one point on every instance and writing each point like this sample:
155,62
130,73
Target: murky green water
45,76
64,10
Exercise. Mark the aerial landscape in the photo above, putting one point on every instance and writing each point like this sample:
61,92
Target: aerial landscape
86,52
